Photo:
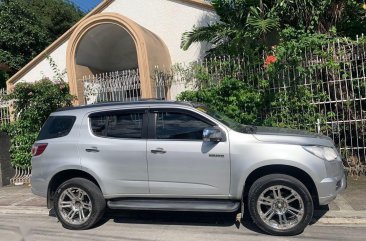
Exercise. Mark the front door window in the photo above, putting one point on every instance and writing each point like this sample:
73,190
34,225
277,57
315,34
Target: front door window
179,126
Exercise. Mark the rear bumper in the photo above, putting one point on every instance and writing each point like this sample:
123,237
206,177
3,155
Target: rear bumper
330,187
39,187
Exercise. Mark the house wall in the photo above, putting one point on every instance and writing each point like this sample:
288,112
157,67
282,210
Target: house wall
168,19
43,69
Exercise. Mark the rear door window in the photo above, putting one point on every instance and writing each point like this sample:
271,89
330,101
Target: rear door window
124,125
56,127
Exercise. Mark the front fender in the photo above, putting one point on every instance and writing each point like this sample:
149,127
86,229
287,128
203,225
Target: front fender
264,155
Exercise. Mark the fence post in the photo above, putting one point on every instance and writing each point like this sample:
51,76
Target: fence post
318,125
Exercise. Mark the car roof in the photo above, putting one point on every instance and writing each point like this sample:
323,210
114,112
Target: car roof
129,103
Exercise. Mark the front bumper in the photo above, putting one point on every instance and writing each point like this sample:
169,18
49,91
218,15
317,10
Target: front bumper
329,188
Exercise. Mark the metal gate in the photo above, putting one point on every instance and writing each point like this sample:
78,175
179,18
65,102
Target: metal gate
112,86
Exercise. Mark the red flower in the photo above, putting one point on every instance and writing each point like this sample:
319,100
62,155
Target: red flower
269,60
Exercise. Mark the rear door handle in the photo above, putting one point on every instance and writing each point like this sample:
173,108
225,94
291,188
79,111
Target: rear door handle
94,149
158,151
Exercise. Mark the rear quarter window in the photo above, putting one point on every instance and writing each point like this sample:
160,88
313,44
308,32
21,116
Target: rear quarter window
56,127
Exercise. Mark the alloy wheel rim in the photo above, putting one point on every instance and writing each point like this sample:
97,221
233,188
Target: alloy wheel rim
280,207
75,206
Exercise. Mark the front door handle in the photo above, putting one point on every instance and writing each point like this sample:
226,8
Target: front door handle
158,151
94,149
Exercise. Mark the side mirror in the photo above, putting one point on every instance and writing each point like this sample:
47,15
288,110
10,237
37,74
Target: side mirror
212,134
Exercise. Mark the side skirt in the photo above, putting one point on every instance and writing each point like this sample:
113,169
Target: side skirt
175,205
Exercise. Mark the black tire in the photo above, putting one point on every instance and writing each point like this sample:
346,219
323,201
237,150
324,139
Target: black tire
287,182
96,199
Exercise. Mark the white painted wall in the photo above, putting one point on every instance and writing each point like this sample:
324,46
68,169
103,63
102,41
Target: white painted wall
168,19
43,69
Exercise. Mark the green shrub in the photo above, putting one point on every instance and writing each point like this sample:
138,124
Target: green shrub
233,97
292,109
33,103
273,95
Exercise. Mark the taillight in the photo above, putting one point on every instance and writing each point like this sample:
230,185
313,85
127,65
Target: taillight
38,149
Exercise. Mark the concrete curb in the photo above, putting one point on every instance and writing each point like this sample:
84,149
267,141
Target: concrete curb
26,210
343,217
345,214
341,221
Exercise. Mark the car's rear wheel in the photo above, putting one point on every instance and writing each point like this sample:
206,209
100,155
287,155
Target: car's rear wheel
280,204
79,204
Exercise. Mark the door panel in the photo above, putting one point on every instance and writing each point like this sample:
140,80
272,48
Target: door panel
115,150
180,163
187,168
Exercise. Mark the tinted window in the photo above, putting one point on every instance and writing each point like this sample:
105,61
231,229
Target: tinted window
99,125
56,126
117,125
171,125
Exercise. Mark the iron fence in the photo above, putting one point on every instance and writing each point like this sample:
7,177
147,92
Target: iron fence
113,86
126,86
4,108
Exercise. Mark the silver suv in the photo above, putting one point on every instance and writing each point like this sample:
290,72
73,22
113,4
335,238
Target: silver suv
178,156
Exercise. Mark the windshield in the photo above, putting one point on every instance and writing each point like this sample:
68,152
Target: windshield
226,120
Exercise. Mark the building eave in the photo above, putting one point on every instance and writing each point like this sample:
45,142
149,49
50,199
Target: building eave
199,3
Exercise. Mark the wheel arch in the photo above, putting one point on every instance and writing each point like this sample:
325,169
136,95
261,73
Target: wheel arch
63,176
295,172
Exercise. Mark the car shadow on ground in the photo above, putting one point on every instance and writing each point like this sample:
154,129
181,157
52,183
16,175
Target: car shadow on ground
179,218
172,218
319,213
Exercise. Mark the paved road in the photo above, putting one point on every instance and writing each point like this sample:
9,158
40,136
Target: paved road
24,216
159,226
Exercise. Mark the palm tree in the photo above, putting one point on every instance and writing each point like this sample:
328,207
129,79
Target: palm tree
242,25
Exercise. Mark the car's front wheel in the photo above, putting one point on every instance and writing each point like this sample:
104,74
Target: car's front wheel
79,204
280,204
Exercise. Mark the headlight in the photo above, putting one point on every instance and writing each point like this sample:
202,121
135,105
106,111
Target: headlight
325,153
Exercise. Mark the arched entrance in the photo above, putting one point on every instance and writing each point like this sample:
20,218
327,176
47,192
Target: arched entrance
114,47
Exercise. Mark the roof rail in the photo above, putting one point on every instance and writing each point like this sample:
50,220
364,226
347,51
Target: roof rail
137,102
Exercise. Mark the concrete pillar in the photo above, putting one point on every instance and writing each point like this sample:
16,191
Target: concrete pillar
6,170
